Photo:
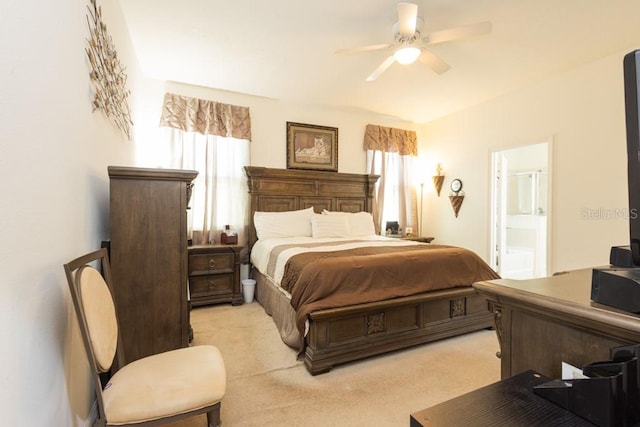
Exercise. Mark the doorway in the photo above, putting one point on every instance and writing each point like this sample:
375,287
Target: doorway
521,211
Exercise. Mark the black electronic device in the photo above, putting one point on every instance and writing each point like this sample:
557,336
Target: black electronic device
631,65
608,395
619,285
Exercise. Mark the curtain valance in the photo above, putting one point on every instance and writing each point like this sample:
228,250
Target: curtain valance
391,140
205,117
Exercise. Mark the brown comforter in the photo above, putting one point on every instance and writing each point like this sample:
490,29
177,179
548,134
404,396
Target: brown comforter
319,280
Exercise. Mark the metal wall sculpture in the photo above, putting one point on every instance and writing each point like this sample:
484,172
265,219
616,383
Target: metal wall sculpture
107,73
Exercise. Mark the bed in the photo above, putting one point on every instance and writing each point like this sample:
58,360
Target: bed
327,333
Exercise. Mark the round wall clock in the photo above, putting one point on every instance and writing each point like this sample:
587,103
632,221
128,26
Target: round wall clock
456,185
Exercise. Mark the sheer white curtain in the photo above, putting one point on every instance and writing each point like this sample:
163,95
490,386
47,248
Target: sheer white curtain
391,153
395,198
212,138
220,193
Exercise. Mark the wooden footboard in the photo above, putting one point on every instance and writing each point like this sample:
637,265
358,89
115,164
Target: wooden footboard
346,334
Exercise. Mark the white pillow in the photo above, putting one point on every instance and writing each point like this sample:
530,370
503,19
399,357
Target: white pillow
283,224
360,223
329,226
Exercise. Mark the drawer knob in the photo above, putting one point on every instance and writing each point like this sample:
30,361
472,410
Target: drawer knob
212,263
212,284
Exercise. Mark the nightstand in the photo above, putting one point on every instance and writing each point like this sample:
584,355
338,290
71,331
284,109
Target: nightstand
214,274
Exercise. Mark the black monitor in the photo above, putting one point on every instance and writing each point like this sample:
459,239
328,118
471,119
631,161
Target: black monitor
631,65
619,285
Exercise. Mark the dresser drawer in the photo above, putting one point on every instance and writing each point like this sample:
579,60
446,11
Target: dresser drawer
211,263
215,284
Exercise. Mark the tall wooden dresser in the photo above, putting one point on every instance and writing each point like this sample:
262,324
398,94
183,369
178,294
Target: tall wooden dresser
148,247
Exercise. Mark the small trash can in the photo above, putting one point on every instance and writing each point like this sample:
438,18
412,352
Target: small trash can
248,289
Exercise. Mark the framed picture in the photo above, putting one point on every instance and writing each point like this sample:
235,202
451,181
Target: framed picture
393,228
312,147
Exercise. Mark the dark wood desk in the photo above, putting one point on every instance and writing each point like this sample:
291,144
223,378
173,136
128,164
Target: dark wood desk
510,402
542,322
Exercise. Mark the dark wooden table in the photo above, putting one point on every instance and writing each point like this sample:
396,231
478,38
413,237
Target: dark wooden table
510,402
544,322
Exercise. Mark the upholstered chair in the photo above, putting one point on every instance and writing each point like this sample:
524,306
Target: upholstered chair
153,390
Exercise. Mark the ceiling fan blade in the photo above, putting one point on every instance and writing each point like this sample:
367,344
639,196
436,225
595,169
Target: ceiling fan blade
434,62
364,48
458,33
407,16
381,68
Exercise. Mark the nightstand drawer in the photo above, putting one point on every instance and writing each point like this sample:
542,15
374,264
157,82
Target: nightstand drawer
211,263
215,284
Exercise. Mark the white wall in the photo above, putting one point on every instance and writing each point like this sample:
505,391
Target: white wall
582,111
54,193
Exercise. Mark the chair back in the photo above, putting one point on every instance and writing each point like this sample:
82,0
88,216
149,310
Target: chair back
95,309
99,314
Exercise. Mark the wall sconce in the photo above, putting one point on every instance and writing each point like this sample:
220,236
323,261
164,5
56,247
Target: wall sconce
456,196
438,179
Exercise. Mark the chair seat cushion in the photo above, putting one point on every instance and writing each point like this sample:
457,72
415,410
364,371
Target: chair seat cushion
165,384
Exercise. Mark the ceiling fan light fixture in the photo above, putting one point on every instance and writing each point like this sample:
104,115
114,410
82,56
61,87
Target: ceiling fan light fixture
407,55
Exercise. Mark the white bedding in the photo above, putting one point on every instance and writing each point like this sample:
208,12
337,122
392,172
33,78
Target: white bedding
261,251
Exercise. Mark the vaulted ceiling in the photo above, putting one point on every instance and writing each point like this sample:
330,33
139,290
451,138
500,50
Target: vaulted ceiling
285,49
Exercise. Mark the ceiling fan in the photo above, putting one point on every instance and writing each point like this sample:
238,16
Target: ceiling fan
409,43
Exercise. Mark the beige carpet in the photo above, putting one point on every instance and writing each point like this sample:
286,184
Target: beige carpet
267,386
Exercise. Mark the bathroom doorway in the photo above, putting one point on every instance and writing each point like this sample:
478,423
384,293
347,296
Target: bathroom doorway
520,219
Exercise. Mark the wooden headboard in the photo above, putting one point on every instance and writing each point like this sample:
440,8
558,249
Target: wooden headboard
278,190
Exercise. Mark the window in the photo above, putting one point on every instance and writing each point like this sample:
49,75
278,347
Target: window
213,139
220,195
391,153
394,193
